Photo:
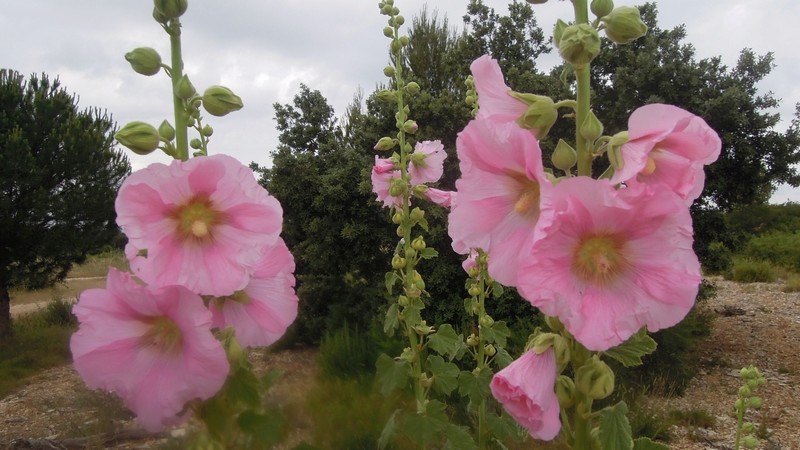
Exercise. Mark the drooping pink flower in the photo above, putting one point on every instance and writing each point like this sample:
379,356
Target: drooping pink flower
668,146
201,223
442,198
612,261
493,93
471,263
261,312
501,194
427,162
526,389
151,346
383,172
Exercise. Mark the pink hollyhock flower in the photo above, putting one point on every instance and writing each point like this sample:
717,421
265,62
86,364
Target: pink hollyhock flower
612,261
201,223
502,194
383,172
471,263
668,146
493,93
151,346
526,389
261,312
427,162
444,199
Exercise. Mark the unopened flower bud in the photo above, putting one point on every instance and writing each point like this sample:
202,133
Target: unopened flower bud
744,391
579,44
389,71
418,243
486,321
144,60
489,350
756,402
750,442
397,218
591,128
602,8
595,379
166,131
473,340
425,381
474,290
195,144
423,329
387,96
400,231
397,187
417,214
140,137
624,25
219,101
207,130
402,301
384,143
160,18
185,89
398,262
565,391
410,126
412,88
388,32
564,156
541,113
171,8
558,31
386,9
399,20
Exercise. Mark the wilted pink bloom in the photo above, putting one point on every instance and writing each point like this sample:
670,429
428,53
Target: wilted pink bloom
493,93
471,263
151,346
612,261
668,146
427,162
501,194
383,172
442,198
201,223
261,312
526,389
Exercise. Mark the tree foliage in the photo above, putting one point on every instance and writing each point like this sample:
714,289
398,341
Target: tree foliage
59,175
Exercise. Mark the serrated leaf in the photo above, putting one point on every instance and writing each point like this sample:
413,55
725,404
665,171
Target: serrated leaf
427,428
615,430
498,333
501,427
647,444
242,387
388,431
630,352
428,253
445,341
502,358
470,304
458,438
392,320
391,373
475,387
445,374
390,279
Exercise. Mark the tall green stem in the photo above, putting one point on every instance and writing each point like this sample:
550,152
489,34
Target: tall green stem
583,92
482,434
181,120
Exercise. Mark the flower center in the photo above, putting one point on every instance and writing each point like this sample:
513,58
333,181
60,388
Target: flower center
164,336
196,219
599,259
527,194
649,167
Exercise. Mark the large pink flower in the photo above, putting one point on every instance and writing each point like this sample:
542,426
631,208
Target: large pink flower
151,346
668,146
427,162
612,261
383,172
201,223
267,306
526,389
501,194
493,93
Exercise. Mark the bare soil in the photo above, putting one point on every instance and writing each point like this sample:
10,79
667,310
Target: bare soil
757,324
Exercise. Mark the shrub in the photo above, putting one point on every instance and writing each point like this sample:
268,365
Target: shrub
59,313
350,354
792,283
779,248
719,258
746,270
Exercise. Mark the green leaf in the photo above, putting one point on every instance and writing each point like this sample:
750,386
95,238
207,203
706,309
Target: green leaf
497,290
423,223
446,342
502,358
390,280
475,387
392,320
391,374
266,429
426,429
646,444
445,374
217,415
501,427
243,388
615,430
459,438
630,352
388,431
428,253
498,333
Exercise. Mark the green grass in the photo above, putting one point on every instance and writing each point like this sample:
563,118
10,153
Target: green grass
97,265
792,283
40,341
695,417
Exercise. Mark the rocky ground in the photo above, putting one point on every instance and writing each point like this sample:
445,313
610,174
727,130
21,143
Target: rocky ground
757,324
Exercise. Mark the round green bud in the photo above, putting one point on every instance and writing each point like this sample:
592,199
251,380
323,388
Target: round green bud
410,126
595,379
412,88
748,427
624,25
541,114
398,262
395,46
395,10
399,20
397,218
602,8
592,128
400,231
185,89
424,381
171,9
756,402
388,32
564,157
474,290
144,60
140,137
579,44
489,350
195,144
738,404
397,187
418,243
384,143
417,214
411,253
387,96
208,131
470,100
473,340
389,71
219,101
744,391
565,391
160,18
404,40
166,131
386,9
403,301
750,442
486,321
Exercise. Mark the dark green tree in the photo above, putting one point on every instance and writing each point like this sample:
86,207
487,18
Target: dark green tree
59,174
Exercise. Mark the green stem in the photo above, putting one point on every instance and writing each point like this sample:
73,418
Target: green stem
481,360
181,125
739,420
583,91
582,425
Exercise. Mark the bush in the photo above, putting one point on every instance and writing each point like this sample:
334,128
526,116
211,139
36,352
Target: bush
779,248
746,270
59,313
350,354
792,283
719,258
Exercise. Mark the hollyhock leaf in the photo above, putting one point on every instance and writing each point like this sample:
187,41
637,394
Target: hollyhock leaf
427,428
503,358
459,438
242,387
630,352
445,341
476,387
445,374
217,414
391,373
644,443
392,320
498,333
615,430
501,427
390,280
428,253
497,290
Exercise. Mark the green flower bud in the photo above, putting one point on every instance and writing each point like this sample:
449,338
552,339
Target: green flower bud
470,100
738,404
602,8
489,350
579,44
624,25
384,143
745,391
417,214
397,218
565,391
395,10
387,96
388,32
614,152
399,20
160,18
219,101
541,113
389,71
470,82
398,262
171,9
412,88
473,340
195,144
386,9
402,301
756,402
410,126
144,60
166,131
423,329
397,187
418,243
750,442
486,321
591,128
474,290
140,137
208,131
185,89
564,157
425,381
400,231
595,379
558,31
748,427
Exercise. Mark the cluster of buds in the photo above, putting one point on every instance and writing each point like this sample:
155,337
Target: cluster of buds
752,379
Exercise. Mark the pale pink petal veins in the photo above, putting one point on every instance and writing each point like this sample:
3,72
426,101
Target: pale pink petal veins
493,93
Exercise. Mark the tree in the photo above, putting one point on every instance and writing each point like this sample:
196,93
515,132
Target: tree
59,175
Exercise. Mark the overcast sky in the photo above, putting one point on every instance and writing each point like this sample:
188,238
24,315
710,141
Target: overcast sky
264,49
